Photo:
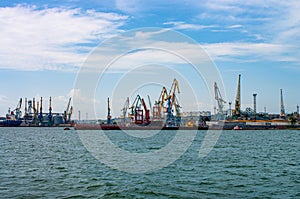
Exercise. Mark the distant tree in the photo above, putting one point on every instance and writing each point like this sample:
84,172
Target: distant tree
293,120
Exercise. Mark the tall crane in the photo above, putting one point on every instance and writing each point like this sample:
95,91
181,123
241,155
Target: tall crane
70,113
34,110
67,111
173,120
138,112
40,116
237,110
25,109
125,108
220,102
282,110
108,112
173,98
149,100
158,108
18,109
50,112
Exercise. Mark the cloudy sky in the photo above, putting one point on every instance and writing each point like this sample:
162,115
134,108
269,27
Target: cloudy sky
45,44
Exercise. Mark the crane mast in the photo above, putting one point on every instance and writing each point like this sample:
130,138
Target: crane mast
34,110
41,110
158,108
26,109
220,102
50,112
67,111
237,105
108,112
282,110
125,108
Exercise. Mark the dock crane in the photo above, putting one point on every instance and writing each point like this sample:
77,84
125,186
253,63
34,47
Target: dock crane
17,111
237,106
173,98
67,112
70,113
50,113
34,110
125,108
173,120
40,116
158,108
108,112
220,101
25,109
138,112
149,100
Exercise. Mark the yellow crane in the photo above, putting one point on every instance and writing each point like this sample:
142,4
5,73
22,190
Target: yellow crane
158,108
173,98
237,110
67,115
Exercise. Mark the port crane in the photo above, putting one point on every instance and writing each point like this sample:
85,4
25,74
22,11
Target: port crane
17,112
50,116
138,112
158,108
237,106
220,101
68,112
124,109
173,98
173,120
108,112
40,116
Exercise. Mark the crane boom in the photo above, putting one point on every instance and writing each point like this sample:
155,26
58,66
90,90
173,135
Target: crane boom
237,105
172,96
219,99
67,110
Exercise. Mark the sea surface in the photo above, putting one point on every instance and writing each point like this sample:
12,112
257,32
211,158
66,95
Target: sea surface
54,163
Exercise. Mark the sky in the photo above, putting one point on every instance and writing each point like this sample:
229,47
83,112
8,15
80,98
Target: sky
46,46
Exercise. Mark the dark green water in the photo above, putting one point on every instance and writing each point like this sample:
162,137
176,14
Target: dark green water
53,163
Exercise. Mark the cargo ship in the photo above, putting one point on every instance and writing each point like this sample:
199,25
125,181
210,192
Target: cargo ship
10,120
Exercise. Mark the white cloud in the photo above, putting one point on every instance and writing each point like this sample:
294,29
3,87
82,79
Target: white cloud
132,6
51,38
179,25
238,51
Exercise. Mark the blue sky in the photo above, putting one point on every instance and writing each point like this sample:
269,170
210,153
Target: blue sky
44,45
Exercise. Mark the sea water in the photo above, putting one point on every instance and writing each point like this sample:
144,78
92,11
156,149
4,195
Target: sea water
54,163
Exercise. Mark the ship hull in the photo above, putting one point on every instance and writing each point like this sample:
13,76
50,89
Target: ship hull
10,123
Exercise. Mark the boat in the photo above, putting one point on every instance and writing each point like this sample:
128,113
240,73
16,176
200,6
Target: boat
7,122
237,128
